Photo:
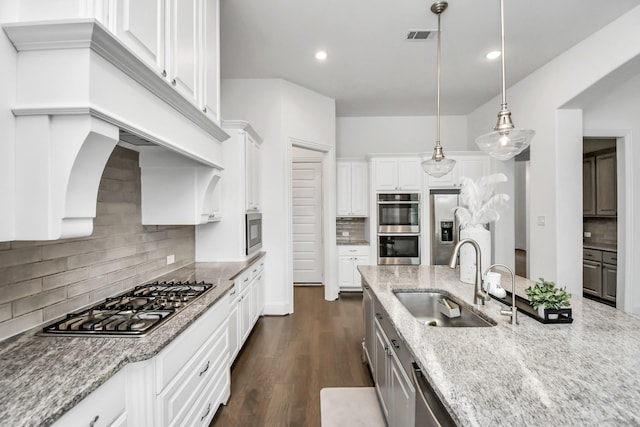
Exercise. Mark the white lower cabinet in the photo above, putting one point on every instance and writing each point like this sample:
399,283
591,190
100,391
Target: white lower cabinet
106,406
349,258
247,305
190,365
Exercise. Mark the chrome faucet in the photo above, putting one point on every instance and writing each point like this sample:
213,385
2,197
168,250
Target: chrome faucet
513,311
479,295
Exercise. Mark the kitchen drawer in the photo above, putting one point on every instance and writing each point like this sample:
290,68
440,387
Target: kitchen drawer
610,258
216,393
178,397
353,250
254,270
176,355
243,280
592,255
102,408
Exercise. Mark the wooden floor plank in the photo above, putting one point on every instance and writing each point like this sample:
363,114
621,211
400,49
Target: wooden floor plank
286,361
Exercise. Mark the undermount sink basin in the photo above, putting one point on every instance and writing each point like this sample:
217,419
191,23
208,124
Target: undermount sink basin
424,306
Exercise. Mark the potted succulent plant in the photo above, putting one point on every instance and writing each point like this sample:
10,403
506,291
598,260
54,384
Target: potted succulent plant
546,297
479,207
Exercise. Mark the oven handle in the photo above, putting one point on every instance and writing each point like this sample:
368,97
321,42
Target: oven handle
400,202
398,234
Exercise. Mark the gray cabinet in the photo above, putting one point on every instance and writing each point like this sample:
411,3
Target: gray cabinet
599,274
395,390
599,181
367,310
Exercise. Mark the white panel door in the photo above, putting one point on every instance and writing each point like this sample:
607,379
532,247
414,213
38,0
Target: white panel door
307,223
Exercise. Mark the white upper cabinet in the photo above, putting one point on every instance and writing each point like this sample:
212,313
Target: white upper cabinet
398,174
471,165
352,189
140,25
253,170
178,39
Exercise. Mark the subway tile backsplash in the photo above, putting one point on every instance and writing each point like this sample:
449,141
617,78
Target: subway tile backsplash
603,230
358,229
41,281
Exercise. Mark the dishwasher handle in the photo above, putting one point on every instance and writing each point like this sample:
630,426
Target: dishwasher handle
428,417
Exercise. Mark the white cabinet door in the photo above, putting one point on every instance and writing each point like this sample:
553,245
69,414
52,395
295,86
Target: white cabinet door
409,175
210,63
184,45
253,170
447,181
345,272
246,313
260,292
357,279
140,25
359,189
343,187
369,338
386,174
234,331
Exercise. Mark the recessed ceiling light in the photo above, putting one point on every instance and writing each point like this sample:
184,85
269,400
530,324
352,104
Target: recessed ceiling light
321,55
493,54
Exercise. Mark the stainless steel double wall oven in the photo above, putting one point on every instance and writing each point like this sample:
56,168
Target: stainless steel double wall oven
399,228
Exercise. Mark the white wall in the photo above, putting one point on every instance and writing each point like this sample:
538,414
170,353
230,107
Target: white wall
618,112
534,102
359,136
280,111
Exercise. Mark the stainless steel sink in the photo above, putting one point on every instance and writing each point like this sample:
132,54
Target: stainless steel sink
424,306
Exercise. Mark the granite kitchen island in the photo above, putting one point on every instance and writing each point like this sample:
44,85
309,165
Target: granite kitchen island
586,373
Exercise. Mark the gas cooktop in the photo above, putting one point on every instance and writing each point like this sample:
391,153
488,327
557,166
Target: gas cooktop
134,313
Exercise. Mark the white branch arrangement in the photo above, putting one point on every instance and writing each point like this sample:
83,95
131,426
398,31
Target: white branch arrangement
480,203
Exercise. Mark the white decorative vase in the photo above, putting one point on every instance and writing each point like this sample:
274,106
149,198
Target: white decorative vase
468,255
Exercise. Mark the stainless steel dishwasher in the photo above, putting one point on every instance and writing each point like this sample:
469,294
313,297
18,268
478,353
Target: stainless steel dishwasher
430,411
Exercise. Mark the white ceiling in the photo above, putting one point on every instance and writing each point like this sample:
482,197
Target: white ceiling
373,71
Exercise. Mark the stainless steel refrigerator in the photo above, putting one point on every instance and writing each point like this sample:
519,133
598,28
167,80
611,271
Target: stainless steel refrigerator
444,225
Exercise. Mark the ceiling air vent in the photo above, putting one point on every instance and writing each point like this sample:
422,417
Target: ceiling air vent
418,35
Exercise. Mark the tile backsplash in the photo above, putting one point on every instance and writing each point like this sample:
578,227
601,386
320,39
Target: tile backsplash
41,281
603,230
358,229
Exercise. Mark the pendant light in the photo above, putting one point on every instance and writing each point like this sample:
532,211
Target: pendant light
505,141
438,165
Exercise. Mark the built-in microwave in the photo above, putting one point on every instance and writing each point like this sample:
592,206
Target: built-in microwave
399,213
253,232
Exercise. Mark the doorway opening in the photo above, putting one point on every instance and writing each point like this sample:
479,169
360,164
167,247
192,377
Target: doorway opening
600,219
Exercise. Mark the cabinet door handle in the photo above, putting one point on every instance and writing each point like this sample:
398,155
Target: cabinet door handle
246,279
379,316
164,73
174,82
204,110
255,270
233,293
395,344
206,368
206,413
94,421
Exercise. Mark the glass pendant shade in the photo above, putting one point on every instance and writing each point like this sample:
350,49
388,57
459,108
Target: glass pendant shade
505,144
505,141
438,165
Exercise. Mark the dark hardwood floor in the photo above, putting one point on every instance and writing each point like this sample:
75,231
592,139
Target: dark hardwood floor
277,378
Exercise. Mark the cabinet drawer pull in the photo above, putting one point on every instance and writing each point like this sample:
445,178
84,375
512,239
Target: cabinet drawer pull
255,270
379,316
206,413
206,368
395,344
352,250
233,293
94,421
246,279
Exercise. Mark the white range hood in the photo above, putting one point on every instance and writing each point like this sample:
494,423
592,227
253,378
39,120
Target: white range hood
77,88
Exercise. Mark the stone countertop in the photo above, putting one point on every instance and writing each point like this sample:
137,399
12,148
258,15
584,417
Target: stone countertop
582,374
608,247
42,377
352,243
